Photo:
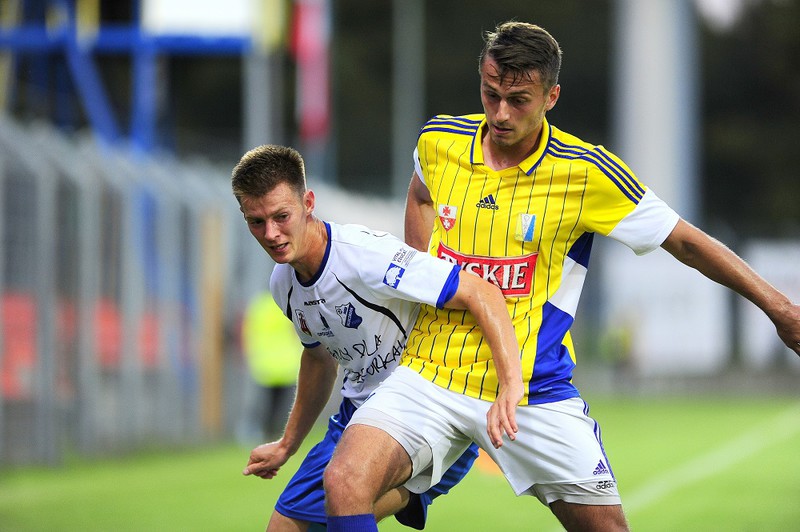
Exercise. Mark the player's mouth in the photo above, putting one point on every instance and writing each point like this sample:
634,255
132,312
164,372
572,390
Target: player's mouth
280,249
501,131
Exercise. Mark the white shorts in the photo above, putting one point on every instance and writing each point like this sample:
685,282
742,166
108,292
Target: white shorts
557,454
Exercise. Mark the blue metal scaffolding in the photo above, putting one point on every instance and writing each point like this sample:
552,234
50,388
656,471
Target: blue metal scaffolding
70,31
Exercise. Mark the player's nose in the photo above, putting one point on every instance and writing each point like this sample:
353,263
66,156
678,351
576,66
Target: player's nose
503,111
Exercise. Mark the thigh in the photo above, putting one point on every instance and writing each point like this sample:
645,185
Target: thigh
369,452
588,518
423,419
280,523
557,445
366,464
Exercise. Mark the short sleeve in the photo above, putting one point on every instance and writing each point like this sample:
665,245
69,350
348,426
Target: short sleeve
409,274
418,167
647,226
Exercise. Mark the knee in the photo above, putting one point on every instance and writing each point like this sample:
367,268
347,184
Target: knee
333,478
343,484
340,477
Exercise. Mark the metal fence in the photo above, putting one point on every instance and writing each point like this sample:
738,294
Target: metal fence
121,279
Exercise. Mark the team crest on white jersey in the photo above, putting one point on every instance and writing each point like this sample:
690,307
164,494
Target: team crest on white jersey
447,215
393,275
301,319
347,313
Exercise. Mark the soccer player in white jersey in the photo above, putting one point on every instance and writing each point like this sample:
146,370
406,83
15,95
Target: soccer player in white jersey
353,295
512,198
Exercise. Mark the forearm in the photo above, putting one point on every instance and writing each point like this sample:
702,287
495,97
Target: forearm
314,385
502,342
717,262
487,304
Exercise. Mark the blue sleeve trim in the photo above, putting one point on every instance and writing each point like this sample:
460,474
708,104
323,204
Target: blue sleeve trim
450,287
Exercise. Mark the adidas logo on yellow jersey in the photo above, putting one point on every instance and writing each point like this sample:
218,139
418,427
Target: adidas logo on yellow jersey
487,203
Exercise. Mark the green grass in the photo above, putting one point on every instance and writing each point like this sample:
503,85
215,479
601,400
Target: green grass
736,484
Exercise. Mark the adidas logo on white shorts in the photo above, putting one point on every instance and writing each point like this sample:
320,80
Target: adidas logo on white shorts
601,469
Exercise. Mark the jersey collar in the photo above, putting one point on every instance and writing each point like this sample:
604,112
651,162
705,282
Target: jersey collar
322,265
529,163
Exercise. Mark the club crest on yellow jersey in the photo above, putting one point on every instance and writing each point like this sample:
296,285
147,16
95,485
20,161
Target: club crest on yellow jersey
447,216
525,226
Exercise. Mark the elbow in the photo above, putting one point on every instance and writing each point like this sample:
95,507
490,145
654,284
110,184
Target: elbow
687,254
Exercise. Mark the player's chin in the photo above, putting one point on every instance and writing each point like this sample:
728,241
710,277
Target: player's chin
503,140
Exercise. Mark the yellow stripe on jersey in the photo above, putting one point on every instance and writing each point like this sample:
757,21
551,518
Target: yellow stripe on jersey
527,229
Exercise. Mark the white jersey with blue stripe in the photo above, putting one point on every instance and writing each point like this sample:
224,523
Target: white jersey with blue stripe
363,301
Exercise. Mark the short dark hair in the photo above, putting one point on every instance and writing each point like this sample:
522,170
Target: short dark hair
520,48
263,168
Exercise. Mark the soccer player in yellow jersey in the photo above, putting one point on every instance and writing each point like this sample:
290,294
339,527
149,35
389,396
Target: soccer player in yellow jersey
511,198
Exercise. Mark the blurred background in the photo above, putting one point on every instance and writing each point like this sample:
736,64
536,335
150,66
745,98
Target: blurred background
125,267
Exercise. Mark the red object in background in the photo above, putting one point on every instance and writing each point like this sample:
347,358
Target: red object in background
108,325
310,40
18,319
18,314
108,331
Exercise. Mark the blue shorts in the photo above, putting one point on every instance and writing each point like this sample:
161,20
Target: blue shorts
304,497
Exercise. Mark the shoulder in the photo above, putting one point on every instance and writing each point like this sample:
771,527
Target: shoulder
357,244
358,235
453,126
565,144
281,278
595,157
279,284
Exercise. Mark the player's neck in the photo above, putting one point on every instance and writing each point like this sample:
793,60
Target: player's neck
499,157
314,250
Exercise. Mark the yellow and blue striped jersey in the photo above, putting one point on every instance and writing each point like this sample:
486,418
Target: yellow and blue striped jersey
528,229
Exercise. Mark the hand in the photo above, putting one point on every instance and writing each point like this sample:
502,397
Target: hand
266,459
788,327
501,417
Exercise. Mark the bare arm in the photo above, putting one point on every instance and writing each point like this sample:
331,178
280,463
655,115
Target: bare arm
419,215
713,259
486,303
318,372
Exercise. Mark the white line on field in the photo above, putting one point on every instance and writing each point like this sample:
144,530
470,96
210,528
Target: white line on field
776,429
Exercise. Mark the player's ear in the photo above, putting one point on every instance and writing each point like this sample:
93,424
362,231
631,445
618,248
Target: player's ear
552,96
309,201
